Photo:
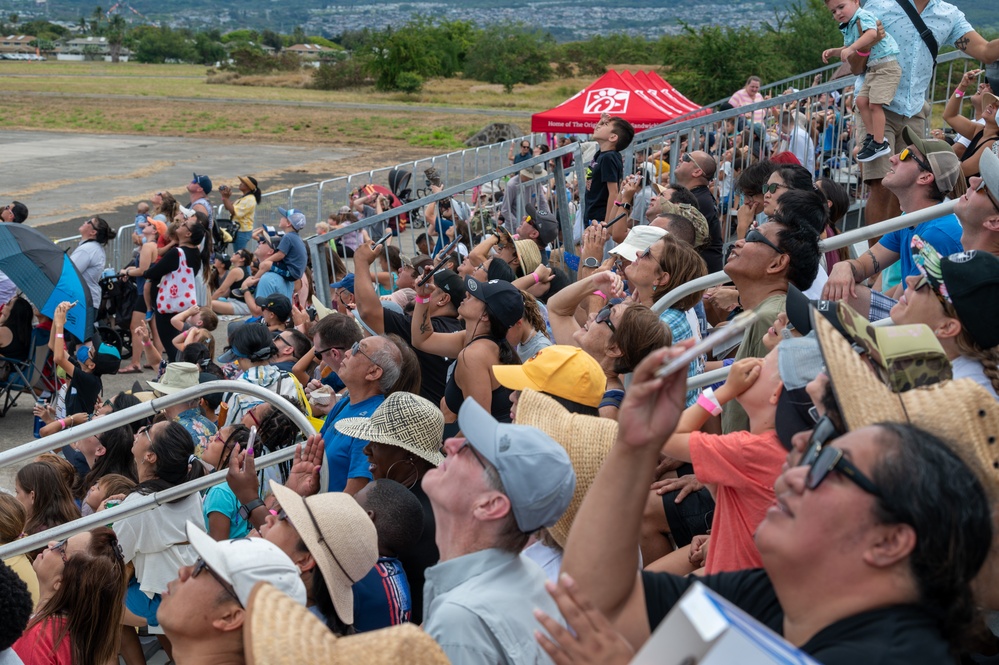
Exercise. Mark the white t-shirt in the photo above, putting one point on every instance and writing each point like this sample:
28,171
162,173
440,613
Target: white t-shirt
150,540
969,368
814,292
90,259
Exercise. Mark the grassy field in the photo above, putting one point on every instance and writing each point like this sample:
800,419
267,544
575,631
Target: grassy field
134,98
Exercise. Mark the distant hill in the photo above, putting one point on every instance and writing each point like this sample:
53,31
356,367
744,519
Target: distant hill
565,19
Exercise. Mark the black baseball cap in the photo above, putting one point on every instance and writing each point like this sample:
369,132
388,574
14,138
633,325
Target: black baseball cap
502,299
279,305
450,283
546,225
798,308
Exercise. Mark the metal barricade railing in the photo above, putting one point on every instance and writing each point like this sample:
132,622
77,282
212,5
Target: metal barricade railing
319,248
149,502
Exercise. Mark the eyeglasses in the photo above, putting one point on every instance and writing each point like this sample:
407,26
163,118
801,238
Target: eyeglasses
980,187
145,430
60,547
832,459
525,145
604,316
771,188
278,338
200,566
279,514
908,154
354,350
757,236
468,446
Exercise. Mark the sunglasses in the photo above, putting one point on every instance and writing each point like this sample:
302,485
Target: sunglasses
200,566
823,431
832,459
354,350
757,236
604,316
924,282
60,548
468,446
690,160
981,187
908,154
771,188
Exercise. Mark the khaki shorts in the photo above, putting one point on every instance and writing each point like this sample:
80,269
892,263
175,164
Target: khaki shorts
875,170
881,82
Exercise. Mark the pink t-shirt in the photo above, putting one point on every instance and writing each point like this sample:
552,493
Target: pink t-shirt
35,646
744,467
742,98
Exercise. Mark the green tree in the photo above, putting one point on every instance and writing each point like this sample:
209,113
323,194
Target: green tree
116,33
161,44
95,23
298,36
208,51
510,53
272,39
243,35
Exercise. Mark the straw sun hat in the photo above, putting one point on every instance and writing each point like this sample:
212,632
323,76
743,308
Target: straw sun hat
529,255
339,535
282,632
405,420
587,439
960,412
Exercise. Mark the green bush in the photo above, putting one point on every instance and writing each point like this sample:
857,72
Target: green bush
409,82
347,73
510,53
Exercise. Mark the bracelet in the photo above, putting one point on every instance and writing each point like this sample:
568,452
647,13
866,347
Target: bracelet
863,54
147,344
537,280
707,401
622,204
62,424
422,301
600,293
60,336
959,93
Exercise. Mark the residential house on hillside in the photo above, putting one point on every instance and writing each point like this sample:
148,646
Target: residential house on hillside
18,47
89,48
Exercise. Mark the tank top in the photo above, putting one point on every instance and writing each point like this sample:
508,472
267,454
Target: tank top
499,408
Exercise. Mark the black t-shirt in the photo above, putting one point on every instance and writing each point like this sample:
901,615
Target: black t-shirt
712,253
84,389
433,368
421,555
896,635
606,167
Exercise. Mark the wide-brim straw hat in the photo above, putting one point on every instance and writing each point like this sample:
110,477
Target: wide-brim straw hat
405,420
960,412
279,631
340,537
529,255
587,439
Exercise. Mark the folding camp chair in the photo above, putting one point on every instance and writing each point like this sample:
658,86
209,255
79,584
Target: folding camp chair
23,372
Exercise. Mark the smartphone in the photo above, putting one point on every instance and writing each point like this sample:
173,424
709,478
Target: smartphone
719,336
252,439
444,256
616,220
383,239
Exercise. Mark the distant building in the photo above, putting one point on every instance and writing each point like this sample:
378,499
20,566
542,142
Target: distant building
89,48
17,47
311,51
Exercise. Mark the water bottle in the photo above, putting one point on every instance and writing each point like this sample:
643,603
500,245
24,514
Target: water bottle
39,423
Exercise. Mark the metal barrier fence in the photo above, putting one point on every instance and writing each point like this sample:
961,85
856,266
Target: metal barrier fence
28,451
319,245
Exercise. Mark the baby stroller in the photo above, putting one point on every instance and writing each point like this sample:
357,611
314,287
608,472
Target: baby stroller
400,183
118,298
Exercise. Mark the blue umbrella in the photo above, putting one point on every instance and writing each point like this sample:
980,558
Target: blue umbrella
46,276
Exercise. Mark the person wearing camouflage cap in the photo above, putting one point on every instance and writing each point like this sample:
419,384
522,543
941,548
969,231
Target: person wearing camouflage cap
922,175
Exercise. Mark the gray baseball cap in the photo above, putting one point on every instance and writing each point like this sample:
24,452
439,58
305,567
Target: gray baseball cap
536,471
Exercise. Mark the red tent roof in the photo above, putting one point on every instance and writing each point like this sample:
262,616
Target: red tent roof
642,98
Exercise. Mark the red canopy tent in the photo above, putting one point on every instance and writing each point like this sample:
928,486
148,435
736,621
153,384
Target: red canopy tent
642,98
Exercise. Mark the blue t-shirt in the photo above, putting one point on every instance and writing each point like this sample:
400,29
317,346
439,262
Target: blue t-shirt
861,22
943,233
442,225
271,283
220,499
345,454
295,256
382,597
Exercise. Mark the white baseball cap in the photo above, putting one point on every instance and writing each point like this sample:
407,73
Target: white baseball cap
639,239
242,562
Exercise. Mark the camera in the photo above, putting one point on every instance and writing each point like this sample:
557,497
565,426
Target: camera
433,176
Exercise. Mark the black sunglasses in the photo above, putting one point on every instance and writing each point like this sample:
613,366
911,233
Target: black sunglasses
200,566
823,431
604,316
832,459
757,236
908,154
771,188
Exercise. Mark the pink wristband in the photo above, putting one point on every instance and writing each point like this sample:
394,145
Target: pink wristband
863,54
422,301
600,293
60,336
708,405
959,93
62,424
537,280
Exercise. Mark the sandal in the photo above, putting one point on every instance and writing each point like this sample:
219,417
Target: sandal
131,369
147,367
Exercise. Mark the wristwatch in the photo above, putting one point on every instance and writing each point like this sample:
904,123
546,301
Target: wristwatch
591,262
246,509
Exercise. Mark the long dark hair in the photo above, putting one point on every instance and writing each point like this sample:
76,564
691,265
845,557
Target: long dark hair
117,458
20,319
103,229
90,599
175,460
53,504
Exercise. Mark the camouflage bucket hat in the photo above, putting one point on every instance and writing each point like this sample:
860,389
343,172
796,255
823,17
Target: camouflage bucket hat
692,214
904,357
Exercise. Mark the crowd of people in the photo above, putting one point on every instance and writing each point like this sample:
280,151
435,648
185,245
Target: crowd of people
502,472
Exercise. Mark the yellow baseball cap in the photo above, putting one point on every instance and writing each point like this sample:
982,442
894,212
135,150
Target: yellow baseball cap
560,370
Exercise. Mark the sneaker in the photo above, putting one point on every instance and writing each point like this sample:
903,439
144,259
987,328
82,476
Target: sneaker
237,293
149,316
873,150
